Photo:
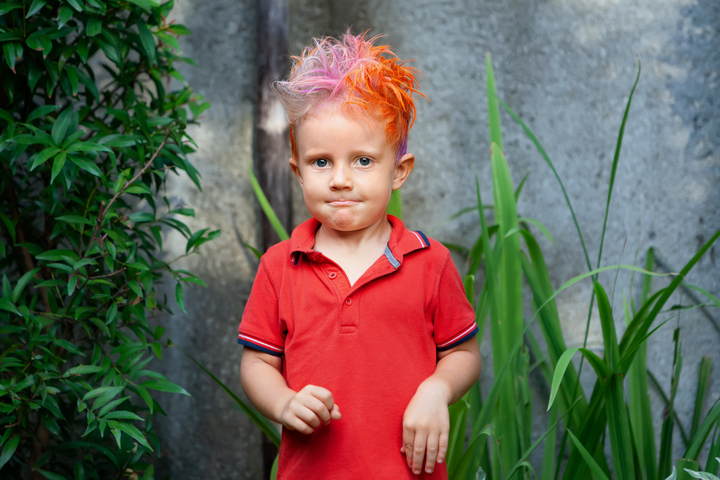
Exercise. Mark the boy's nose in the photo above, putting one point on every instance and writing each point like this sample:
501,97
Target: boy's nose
340,178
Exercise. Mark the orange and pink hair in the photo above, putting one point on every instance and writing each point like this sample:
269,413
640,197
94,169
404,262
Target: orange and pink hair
352,70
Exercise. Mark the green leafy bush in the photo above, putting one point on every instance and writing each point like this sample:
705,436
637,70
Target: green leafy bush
88,132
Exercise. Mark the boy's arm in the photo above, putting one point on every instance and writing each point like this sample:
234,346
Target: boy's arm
264,385
426,422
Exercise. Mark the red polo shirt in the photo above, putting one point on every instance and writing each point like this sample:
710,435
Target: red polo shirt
370,344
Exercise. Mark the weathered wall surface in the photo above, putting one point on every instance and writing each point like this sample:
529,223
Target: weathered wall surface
567,68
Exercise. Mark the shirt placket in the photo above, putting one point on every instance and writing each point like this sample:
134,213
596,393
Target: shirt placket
349,296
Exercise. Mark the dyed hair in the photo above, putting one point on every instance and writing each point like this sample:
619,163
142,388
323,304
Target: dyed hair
352,70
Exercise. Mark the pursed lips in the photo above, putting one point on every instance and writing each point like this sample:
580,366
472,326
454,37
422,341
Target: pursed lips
343,203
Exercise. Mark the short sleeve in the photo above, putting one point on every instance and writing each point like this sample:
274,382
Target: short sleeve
454,317
259,327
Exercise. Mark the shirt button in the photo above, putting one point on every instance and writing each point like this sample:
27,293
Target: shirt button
348,301
332,275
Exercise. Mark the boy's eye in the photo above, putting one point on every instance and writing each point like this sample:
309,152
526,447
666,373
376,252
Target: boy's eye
364,161
321,162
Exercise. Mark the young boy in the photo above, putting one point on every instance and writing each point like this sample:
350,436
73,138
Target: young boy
356,314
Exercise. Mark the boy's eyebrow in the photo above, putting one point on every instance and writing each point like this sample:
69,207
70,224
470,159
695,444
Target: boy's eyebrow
371,152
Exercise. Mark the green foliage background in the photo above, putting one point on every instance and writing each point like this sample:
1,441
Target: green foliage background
88,133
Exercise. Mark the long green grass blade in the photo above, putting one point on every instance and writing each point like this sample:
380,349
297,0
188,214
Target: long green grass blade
704,430
666,434
548,464
460,471
493,109
666,402
550,164
597,471
265,205
685,464
700,393
641,418
616,158
395,205
713,462
458,427
647,320
508,320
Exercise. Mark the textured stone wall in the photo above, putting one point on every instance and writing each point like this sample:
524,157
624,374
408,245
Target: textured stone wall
566,67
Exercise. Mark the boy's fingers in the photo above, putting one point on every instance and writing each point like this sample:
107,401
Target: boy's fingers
418,450
442,447
319,409
324,396
335,413
308,416
431,453
302,427
408,437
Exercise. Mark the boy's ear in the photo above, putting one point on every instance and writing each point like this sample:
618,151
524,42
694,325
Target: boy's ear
403,169
296,169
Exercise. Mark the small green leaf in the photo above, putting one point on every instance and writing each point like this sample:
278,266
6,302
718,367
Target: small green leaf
3,10
87,165
67,346
6,305
58,164
50,475
64,15
130,430
111,313
133,285
61,125
43,157
9,52
123,415
179,29
142,217
165,386
20,285
179,296
96,392
76,4
83,48
148,42
139,188
75,219
83,370
9,449
73,76
35,7
93,27
71,284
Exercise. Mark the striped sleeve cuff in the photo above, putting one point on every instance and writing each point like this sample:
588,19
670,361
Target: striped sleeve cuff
469,332
259,345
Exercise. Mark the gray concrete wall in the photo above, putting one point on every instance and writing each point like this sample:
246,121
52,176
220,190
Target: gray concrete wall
567,68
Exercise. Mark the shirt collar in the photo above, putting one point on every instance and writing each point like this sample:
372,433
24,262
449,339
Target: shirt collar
402,241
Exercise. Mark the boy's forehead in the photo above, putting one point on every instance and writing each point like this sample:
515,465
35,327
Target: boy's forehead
332,110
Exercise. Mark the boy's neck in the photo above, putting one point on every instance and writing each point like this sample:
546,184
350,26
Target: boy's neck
363,241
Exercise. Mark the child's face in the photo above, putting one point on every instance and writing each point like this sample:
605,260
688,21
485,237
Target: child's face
347,169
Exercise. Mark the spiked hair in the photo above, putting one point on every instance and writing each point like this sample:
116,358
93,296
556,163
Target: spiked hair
356,72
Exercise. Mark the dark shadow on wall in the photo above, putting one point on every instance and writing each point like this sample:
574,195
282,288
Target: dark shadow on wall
697,97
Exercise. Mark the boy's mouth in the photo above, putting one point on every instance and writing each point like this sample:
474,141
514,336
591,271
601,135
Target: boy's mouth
343,203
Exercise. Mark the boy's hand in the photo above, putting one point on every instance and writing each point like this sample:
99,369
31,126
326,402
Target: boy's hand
307,408
426,426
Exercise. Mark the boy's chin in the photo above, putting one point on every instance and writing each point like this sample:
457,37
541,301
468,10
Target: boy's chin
347,223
